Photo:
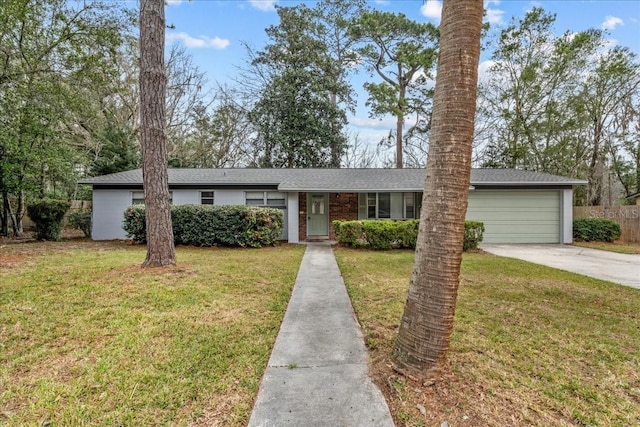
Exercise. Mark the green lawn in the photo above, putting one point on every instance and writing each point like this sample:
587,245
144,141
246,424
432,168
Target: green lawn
531,345
87,337
620,247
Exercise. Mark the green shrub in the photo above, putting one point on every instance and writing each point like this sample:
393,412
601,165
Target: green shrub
407,233
81,219
379,234
47,214
349,232
213,225
134,223
473,235
596,230
388,234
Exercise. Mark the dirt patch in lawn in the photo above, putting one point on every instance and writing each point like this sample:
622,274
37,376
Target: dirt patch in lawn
16,251
10,260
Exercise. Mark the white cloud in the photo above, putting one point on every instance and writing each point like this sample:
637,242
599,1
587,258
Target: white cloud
494,16
173,2
432,9
264,5
430,80
611,22
385,123
198,42
483,69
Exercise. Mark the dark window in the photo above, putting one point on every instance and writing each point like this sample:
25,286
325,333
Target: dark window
384,205
206,197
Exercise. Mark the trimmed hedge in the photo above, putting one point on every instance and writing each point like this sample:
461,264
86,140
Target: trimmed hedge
213,225
596,230
47,214
81,219
389,234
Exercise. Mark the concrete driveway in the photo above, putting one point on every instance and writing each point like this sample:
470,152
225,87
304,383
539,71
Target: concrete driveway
613,267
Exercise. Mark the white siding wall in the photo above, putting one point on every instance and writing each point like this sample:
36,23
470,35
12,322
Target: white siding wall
228,197
109,207
292,220
186,197
567,216
108,214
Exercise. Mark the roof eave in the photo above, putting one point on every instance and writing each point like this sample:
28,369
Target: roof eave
530,183
347,190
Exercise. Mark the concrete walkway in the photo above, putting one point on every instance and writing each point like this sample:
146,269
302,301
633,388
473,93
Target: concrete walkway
613,267
317,373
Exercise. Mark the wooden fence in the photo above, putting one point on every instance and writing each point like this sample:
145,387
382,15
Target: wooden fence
627,216
75,205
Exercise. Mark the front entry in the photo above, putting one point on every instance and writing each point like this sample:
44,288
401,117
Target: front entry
317,215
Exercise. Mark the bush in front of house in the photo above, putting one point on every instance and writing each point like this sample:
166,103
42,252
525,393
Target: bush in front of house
81,220
473,235
213,225
596,230
390,234
47,214
134,223
377,234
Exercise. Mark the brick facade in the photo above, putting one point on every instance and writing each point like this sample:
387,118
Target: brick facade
341,206
302,216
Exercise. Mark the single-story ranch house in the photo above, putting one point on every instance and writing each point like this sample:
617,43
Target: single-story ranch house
516,206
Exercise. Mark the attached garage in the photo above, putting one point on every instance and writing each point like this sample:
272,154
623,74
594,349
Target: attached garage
518,216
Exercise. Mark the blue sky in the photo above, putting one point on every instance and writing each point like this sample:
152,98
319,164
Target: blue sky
213,30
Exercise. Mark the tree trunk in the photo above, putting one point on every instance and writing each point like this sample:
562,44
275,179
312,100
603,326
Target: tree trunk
399,126
9,218
336,151
153,86
4,218
427,323
18,228
596,168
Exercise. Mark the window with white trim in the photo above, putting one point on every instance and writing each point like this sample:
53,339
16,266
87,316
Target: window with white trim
409,205
378,205
206,198
137,197
387,206
265,198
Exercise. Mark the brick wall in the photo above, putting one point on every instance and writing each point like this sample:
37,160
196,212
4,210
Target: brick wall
302,216
341,206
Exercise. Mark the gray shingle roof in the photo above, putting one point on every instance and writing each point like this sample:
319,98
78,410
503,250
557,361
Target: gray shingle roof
332,179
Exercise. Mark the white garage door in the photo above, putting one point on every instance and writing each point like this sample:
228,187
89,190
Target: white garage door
522,216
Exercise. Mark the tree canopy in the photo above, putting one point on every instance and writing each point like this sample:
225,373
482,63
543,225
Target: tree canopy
563,103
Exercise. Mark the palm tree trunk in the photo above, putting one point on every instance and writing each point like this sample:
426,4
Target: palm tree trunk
427,323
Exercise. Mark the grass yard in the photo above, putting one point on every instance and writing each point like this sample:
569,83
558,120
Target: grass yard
87,337
620,247
531,345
